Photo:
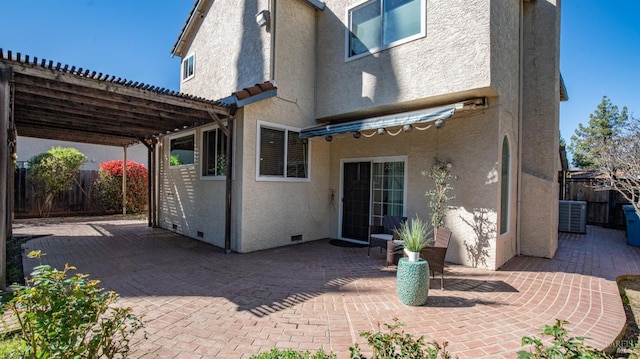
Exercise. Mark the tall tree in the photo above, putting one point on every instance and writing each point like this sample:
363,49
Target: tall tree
618,163
605,122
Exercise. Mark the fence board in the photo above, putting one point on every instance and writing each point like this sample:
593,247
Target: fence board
75,201
604,208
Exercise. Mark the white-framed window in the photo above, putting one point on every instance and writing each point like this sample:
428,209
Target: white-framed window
214,153
188,67
182,150
281,154
375,25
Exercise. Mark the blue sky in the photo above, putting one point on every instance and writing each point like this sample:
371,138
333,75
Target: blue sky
600,44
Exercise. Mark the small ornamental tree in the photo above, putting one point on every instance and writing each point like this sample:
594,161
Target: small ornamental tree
441,175
53,172
108,187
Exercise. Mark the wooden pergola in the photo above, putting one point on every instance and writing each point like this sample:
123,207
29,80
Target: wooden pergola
43,99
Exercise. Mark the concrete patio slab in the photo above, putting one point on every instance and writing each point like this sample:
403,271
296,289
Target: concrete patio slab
201,303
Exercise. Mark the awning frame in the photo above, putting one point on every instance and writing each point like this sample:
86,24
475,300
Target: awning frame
394,120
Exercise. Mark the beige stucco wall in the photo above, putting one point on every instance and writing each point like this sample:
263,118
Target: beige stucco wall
273,211
452,60
315,82
265,214
231,51
188,203
469,141
505,79
541,95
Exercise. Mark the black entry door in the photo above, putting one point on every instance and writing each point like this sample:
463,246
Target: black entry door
356,201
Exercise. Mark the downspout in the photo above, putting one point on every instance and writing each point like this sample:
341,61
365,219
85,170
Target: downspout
520,112
272,27
229,184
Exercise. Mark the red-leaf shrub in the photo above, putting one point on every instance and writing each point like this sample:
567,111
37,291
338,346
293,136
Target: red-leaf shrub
108,186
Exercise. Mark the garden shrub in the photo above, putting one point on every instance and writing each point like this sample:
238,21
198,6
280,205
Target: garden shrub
108,187
562,346
52,173
397,344
293,354
63,316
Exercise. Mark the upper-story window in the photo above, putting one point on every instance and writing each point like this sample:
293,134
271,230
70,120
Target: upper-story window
375,25
188,67
282,155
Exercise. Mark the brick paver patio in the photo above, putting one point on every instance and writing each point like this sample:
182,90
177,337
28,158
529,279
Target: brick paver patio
201,303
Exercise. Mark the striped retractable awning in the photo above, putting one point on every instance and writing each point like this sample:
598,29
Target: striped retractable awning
400,119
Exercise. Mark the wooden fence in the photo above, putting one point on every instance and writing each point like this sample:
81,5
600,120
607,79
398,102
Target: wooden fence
76,201
604,208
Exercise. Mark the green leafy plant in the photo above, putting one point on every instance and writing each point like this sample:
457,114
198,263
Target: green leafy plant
396,344
108,187
52,173
174,160
11,346
416,234
562,346
62,316
441,175
293,354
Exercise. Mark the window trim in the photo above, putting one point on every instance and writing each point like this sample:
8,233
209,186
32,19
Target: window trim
283,178
382,47
195,147
201,157
505,191
193,74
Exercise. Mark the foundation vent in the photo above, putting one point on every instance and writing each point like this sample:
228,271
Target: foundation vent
296,238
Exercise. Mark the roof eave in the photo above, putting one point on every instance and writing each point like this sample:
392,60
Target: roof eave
197,12
318,5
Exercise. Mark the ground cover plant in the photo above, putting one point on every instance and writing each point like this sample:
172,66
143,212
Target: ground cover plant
563,345
69,316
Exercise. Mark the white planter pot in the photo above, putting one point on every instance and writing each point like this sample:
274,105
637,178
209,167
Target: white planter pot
412,256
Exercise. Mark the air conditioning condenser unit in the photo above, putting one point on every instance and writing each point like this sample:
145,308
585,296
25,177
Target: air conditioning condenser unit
573,217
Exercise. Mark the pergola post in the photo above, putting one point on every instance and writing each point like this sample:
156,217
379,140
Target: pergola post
124,181
151,180
5,163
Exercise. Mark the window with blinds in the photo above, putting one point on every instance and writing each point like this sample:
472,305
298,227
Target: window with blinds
282,154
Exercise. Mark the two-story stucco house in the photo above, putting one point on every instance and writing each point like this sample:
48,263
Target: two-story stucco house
356,99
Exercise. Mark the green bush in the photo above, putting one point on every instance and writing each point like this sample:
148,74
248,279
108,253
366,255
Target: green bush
52,173
293,354
63,316
11,347
397,344
562,346
108,187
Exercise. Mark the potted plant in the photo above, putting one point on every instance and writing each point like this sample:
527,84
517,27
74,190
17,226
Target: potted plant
415,235
413,272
